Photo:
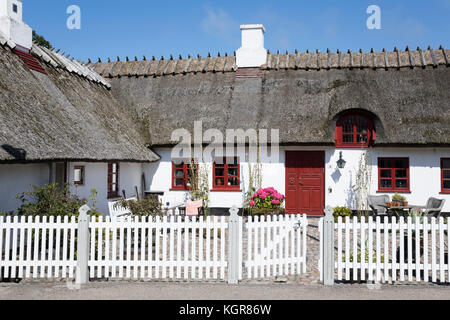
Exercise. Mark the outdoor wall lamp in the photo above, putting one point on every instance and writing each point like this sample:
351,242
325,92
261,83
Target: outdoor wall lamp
341,162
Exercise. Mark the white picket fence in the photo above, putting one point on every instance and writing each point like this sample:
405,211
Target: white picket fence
276,246
392,250
37,247
168,248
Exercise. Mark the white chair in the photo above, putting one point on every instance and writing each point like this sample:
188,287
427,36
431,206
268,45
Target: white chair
117,211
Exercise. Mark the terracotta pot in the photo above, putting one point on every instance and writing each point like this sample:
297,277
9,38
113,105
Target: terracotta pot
405,203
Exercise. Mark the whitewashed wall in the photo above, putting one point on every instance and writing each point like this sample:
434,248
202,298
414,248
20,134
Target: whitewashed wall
424,175
18,178
96,175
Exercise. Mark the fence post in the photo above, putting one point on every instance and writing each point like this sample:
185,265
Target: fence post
328,247
82,271
233,246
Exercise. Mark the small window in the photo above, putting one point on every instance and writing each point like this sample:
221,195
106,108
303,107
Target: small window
354,131
393,174
15,9
78,175
445,175
113,180
226,175
182,175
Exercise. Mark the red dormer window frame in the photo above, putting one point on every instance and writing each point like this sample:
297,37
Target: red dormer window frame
349,134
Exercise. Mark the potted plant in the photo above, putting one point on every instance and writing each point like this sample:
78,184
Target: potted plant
398,199
267,201
341,212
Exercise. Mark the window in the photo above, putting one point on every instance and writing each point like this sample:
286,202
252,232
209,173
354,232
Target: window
113,180
226,176
445,175
393,174
182,175
354,131
78,175
15,9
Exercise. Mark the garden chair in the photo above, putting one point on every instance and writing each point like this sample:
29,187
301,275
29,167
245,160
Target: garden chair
376,203
434,207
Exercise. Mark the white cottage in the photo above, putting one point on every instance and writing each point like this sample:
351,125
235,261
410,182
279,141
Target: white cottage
347,121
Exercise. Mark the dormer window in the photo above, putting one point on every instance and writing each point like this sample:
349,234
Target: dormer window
354,130
15,9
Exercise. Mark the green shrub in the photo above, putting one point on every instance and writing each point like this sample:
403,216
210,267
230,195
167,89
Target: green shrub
142,208
50,200
341,212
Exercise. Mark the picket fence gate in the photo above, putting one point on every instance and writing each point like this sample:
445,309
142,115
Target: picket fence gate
167,248
389,249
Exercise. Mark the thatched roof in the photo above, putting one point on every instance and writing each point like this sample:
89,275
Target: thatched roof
67,114
303,61
408,94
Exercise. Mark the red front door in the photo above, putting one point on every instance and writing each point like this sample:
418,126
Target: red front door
305,182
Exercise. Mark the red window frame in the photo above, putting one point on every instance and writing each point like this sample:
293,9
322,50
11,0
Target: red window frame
353,117
443,178
185,166
393,175
224,185
111,184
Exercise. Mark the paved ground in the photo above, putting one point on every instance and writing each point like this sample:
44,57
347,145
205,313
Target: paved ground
218,291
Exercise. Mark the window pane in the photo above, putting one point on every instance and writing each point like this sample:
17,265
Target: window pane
114,178
385,163
446,174
233,181
385,184
400,173
361,138
114,187
446,164
179,166
220,172
179,182
401,184
361,125
347,138
347,126
77,175
447,184
220,181
179,173
386,173
233,172
401,164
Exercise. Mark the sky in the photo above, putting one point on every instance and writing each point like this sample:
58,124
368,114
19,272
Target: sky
111,28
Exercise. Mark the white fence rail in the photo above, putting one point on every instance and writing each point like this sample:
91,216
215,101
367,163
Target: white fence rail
168,247
392,250
37,247
276,246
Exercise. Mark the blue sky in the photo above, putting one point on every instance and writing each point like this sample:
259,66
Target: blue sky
146,27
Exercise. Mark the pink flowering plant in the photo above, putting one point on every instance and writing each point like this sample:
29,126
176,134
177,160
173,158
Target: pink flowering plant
268,199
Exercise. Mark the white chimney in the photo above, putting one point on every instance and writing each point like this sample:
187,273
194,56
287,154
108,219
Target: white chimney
12,26
252,53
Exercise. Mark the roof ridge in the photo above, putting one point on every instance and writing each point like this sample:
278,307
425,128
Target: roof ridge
57,60
310,60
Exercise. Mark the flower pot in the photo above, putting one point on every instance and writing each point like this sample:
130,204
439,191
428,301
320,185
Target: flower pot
405,203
